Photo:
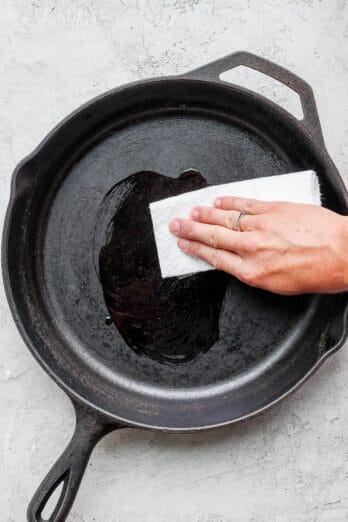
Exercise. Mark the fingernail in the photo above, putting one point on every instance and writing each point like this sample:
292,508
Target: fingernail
184,244
217,203
195,213
174,226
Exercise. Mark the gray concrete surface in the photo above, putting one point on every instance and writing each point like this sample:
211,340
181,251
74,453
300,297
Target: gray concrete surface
288,465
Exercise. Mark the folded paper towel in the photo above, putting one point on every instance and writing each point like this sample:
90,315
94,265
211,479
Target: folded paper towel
297,187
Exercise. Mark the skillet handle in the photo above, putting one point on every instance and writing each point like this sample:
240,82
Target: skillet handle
70,467
213,70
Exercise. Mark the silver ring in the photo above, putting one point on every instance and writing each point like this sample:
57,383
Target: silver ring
239,219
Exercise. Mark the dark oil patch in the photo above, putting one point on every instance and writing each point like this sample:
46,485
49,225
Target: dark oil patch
169,320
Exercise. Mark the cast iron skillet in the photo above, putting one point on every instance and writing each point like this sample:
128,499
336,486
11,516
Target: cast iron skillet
267,344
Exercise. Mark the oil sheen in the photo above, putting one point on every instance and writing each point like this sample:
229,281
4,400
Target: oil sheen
170,320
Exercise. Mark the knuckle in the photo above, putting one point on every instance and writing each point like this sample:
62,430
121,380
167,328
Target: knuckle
228,203
230,221
215,259
193,248
253,245
197,249
250,275
249,205
213,238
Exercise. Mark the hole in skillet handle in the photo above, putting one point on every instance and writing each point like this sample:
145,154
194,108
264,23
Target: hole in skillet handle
214,70
64,479
54,497
268,87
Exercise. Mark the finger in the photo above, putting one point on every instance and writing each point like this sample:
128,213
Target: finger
212,235
251,206
224,218
218,258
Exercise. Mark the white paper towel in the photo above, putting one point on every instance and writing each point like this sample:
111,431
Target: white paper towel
297,187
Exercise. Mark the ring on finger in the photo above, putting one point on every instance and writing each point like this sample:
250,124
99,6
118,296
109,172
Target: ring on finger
239,220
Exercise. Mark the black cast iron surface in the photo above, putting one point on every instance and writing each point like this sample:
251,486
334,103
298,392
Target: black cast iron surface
65,234
170,320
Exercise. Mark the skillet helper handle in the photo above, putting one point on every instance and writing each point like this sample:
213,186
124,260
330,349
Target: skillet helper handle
69,468
213,70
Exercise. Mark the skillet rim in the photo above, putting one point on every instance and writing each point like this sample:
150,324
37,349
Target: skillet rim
15,183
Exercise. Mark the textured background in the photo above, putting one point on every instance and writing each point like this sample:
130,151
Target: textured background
288,465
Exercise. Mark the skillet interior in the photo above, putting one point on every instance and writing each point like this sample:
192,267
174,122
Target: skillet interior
267,343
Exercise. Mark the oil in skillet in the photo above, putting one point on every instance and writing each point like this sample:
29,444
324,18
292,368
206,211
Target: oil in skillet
170,320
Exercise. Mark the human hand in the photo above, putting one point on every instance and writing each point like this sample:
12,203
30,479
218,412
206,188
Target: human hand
282,247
